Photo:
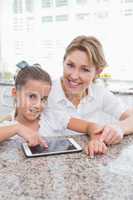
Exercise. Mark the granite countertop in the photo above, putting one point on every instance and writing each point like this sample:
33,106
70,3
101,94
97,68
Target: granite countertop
67,176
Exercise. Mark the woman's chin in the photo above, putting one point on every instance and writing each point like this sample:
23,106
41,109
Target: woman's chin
73,91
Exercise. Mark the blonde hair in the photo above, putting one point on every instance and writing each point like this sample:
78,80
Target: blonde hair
92,47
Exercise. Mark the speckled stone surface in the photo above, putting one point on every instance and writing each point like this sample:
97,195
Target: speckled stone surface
67,176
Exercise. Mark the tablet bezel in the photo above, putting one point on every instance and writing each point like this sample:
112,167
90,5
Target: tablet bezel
29,154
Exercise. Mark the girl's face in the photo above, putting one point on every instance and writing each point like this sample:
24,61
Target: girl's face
31,99
78,73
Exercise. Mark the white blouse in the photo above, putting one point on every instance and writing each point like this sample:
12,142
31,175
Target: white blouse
101,106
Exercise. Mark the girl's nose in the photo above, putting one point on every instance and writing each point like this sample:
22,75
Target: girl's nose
36,108
37,104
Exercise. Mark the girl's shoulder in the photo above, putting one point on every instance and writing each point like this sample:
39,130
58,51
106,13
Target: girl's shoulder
7,119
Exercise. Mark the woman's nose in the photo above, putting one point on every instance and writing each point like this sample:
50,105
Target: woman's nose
75,74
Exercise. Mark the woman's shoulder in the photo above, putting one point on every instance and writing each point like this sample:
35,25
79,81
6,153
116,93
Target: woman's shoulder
56,88
56,83
97,88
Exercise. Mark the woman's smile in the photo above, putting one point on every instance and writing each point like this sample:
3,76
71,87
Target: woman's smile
78,74
73,84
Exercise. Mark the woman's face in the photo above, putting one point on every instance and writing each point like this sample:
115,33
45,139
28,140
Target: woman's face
78,73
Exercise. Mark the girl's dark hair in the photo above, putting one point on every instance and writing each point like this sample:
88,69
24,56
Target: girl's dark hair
31,73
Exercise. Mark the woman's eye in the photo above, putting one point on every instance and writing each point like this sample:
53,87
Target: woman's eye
70,65
85,70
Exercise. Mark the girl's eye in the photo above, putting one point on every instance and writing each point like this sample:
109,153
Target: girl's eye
32,96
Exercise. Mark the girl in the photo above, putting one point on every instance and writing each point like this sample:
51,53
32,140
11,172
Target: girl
32,87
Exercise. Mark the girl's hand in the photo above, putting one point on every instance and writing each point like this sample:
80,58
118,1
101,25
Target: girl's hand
94,129
31,137
96,146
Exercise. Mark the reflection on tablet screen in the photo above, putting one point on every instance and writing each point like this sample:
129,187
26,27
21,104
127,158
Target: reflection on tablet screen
53,146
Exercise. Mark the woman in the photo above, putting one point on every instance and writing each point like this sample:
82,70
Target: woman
75,95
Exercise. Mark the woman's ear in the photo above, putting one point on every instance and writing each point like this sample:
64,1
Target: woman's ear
14,92
99,71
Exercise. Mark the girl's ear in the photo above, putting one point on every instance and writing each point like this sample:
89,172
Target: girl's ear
14,92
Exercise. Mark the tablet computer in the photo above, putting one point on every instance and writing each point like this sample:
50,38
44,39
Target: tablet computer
55,146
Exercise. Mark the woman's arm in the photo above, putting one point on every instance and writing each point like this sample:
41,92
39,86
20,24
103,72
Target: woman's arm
127,125
126,114
113,133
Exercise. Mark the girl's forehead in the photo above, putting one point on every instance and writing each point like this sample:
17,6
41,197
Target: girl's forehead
36,85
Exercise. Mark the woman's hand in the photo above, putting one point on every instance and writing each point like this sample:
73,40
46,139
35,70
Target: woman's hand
31,137
112,134
96,146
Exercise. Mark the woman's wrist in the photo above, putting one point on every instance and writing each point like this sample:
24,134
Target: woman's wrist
120,128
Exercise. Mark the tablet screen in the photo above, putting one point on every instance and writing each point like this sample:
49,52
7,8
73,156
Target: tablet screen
55,145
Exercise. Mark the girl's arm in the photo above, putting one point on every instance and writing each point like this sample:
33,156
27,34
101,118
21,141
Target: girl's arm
8,131
32,137
84,126
110,133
